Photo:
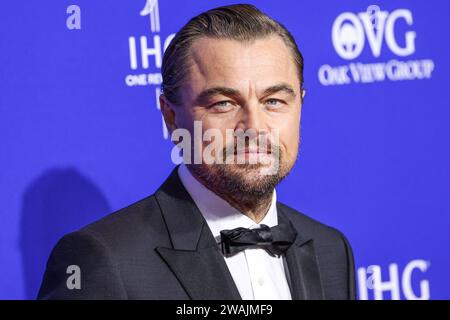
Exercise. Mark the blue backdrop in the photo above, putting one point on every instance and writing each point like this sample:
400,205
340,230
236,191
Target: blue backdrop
82,136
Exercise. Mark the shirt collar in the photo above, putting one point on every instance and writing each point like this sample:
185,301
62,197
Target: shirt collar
218,213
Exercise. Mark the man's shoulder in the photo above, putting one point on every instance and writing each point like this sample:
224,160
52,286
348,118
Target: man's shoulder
311,228
138,223
138,212
110,249
332,249
141,218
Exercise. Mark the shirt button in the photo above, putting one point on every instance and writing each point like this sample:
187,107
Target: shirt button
261,281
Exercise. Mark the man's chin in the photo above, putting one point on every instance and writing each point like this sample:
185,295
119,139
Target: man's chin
250,178
246,180
254,169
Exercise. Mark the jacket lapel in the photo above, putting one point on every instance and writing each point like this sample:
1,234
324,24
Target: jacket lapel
197,262
194,258
302,265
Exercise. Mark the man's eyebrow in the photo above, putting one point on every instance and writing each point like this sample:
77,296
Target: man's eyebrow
231,92
280,87
208,93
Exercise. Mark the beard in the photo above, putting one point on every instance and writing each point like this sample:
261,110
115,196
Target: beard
246,181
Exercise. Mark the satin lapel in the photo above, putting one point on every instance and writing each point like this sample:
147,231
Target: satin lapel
302,265
194,258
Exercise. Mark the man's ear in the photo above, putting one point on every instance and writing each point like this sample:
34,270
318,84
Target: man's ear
302,99
168,113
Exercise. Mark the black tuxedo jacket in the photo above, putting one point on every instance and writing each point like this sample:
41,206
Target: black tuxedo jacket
162,248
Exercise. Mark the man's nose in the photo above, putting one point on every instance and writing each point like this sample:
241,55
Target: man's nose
252,117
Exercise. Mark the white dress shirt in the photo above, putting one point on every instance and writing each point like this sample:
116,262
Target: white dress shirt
257,274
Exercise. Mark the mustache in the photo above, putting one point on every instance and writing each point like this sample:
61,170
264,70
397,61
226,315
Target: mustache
250,146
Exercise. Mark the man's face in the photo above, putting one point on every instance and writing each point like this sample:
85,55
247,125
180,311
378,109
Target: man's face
239,85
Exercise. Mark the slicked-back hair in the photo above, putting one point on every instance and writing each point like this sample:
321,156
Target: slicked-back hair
241,22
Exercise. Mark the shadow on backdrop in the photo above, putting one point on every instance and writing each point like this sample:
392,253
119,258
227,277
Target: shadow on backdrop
58,202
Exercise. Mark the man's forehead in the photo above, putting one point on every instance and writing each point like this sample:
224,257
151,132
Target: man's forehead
230,62
210,49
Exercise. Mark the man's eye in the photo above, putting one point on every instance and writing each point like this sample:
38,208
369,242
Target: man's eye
222,105
273,103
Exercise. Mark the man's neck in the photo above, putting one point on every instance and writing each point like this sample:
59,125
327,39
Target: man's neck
254,207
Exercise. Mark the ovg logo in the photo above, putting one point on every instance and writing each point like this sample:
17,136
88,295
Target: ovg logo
375,29
350,32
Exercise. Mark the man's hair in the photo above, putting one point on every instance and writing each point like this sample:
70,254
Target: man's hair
241,22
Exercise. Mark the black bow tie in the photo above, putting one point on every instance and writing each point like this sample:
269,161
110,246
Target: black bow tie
275,240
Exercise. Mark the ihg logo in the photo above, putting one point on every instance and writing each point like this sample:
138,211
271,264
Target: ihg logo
399,283
350,32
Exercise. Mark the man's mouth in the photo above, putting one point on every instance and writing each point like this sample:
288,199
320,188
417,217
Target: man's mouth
254,150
